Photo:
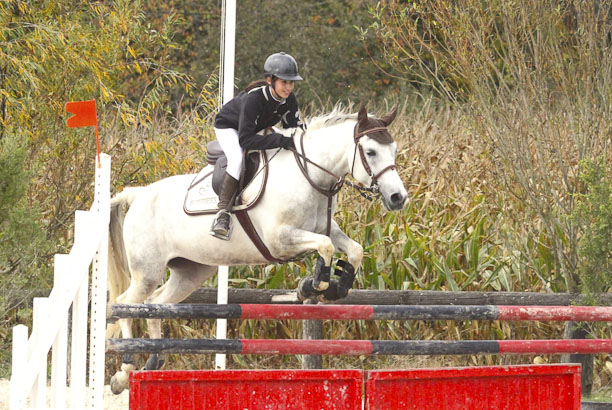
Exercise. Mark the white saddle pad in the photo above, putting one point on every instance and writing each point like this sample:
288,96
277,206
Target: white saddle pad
201,199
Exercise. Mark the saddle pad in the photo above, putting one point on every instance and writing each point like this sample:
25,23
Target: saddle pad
202,199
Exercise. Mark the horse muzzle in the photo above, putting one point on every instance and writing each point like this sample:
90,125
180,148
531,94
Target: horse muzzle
395,201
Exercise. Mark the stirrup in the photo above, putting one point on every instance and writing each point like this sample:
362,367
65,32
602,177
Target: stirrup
221,235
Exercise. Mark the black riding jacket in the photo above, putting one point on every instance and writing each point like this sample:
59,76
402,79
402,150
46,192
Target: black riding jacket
253,111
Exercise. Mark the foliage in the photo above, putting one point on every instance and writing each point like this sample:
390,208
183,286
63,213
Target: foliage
320,35
520,96
533,80
594,212
24,249
52,52
61,51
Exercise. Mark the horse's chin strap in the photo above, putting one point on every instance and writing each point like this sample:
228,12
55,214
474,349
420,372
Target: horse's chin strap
373,188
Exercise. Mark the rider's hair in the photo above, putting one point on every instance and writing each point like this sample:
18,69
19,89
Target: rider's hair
254,84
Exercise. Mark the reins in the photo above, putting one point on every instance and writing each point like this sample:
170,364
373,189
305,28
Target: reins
329,193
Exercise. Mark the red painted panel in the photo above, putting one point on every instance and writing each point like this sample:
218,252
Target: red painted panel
246,390
545,387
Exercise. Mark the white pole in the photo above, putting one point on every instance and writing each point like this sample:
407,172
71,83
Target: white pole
19,363
40,318
226,88
99,275
59,358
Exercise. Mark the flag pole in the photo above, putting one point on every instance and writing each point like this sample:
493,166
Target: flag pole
98,147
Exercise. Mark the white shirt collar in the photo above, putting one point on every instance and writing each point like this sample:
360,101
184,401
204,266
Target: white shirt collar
282,100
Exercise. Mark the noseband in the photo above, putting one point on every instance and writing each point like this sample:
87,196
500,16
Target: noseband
357,136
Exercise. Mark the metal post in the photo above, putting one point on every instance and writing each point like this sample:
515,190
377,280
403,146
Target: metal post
226,89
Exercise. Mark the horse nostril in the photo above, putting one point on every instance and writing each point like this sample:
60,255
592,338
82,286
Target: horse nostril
397,198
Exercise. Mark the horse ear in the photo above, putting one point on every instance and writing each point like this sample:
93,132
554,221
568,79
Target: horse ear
388,119
362,115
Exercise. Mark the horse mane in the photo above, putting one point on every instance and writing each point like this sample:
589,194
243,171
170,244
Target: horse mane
338,115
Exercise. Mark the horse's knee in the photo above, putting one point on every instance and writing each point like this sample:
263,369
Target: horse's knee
355,254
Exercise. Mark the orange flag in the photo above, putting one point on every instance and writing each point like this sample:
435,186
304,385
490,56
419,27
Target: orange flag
84,116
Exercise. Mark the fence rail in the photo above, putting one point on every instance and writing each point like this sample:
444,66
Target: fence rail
359,347
360,312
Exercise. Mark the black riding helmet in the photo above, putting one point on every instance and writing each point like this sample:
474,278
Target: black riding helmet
283,66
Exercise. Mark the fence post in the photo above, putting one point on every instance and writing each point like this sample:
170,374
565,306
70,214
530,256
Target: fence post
573,330
19,366
99,273
59,353
312,329
39,326
78,359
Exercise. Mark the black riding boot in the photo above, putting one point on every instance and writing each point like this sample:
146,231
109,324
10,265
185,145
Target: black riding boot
222,225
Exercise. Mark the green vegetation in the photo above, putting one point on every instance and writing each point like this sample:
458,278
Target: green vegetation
504,122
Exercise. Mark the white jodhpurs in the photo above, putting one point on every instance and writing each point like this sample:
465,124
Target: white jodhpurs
228,138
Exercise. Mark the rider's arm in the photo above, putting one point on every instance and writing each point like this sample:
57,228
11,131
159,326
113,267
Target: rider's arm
291,118
249,114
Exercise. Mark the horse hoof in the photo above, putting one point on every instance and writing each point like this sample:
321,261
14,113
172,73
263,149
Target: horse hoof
154,363
334,292
306,290
118,382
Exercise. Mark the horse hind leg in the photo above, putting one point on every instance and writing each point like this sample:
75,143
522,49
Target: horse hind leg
185,277
137,292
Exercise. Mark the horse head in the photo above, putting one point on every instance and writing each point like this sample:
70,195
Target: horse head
374,158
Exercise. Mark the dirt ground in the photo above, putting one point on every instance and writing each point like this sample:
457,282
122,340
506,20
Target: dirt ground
111,401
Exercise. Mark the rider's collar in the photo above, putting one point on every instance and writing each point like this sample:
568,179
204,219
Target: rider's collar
269,93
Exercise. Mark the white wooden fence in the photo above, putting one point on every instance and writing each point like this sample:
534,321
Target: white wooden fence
29,384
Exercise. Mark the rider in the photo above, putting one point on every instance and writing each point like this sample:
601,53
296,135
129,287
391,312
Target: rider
239,121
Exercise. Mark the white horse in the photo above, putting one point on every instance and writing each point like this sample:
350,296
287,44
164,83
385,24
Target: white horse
291,218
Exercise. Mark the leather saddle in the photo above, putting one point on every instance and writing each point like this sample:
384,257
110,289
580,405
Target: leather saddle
202,194
216,157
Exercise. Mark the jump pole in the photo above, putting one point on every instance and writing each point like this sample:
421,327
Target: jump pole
359,347
362,312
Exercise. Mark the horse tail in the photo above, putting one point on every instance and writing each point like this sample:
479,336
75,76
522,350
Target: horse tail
118,270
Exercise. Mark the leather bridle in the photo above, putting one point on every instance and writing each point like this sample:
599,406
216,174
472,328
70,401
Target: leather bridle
340,180
357,136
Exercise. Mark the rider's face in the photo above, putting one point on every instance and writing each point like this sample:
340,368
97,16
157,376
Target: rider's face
281,88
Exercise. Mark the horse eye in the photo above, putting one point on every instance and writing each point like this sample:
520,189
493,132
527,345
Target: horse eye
371,153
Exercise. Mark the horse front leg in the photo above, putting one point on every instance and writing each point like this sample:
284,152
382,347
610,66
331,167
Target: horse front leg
293,241
347,271
344,244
